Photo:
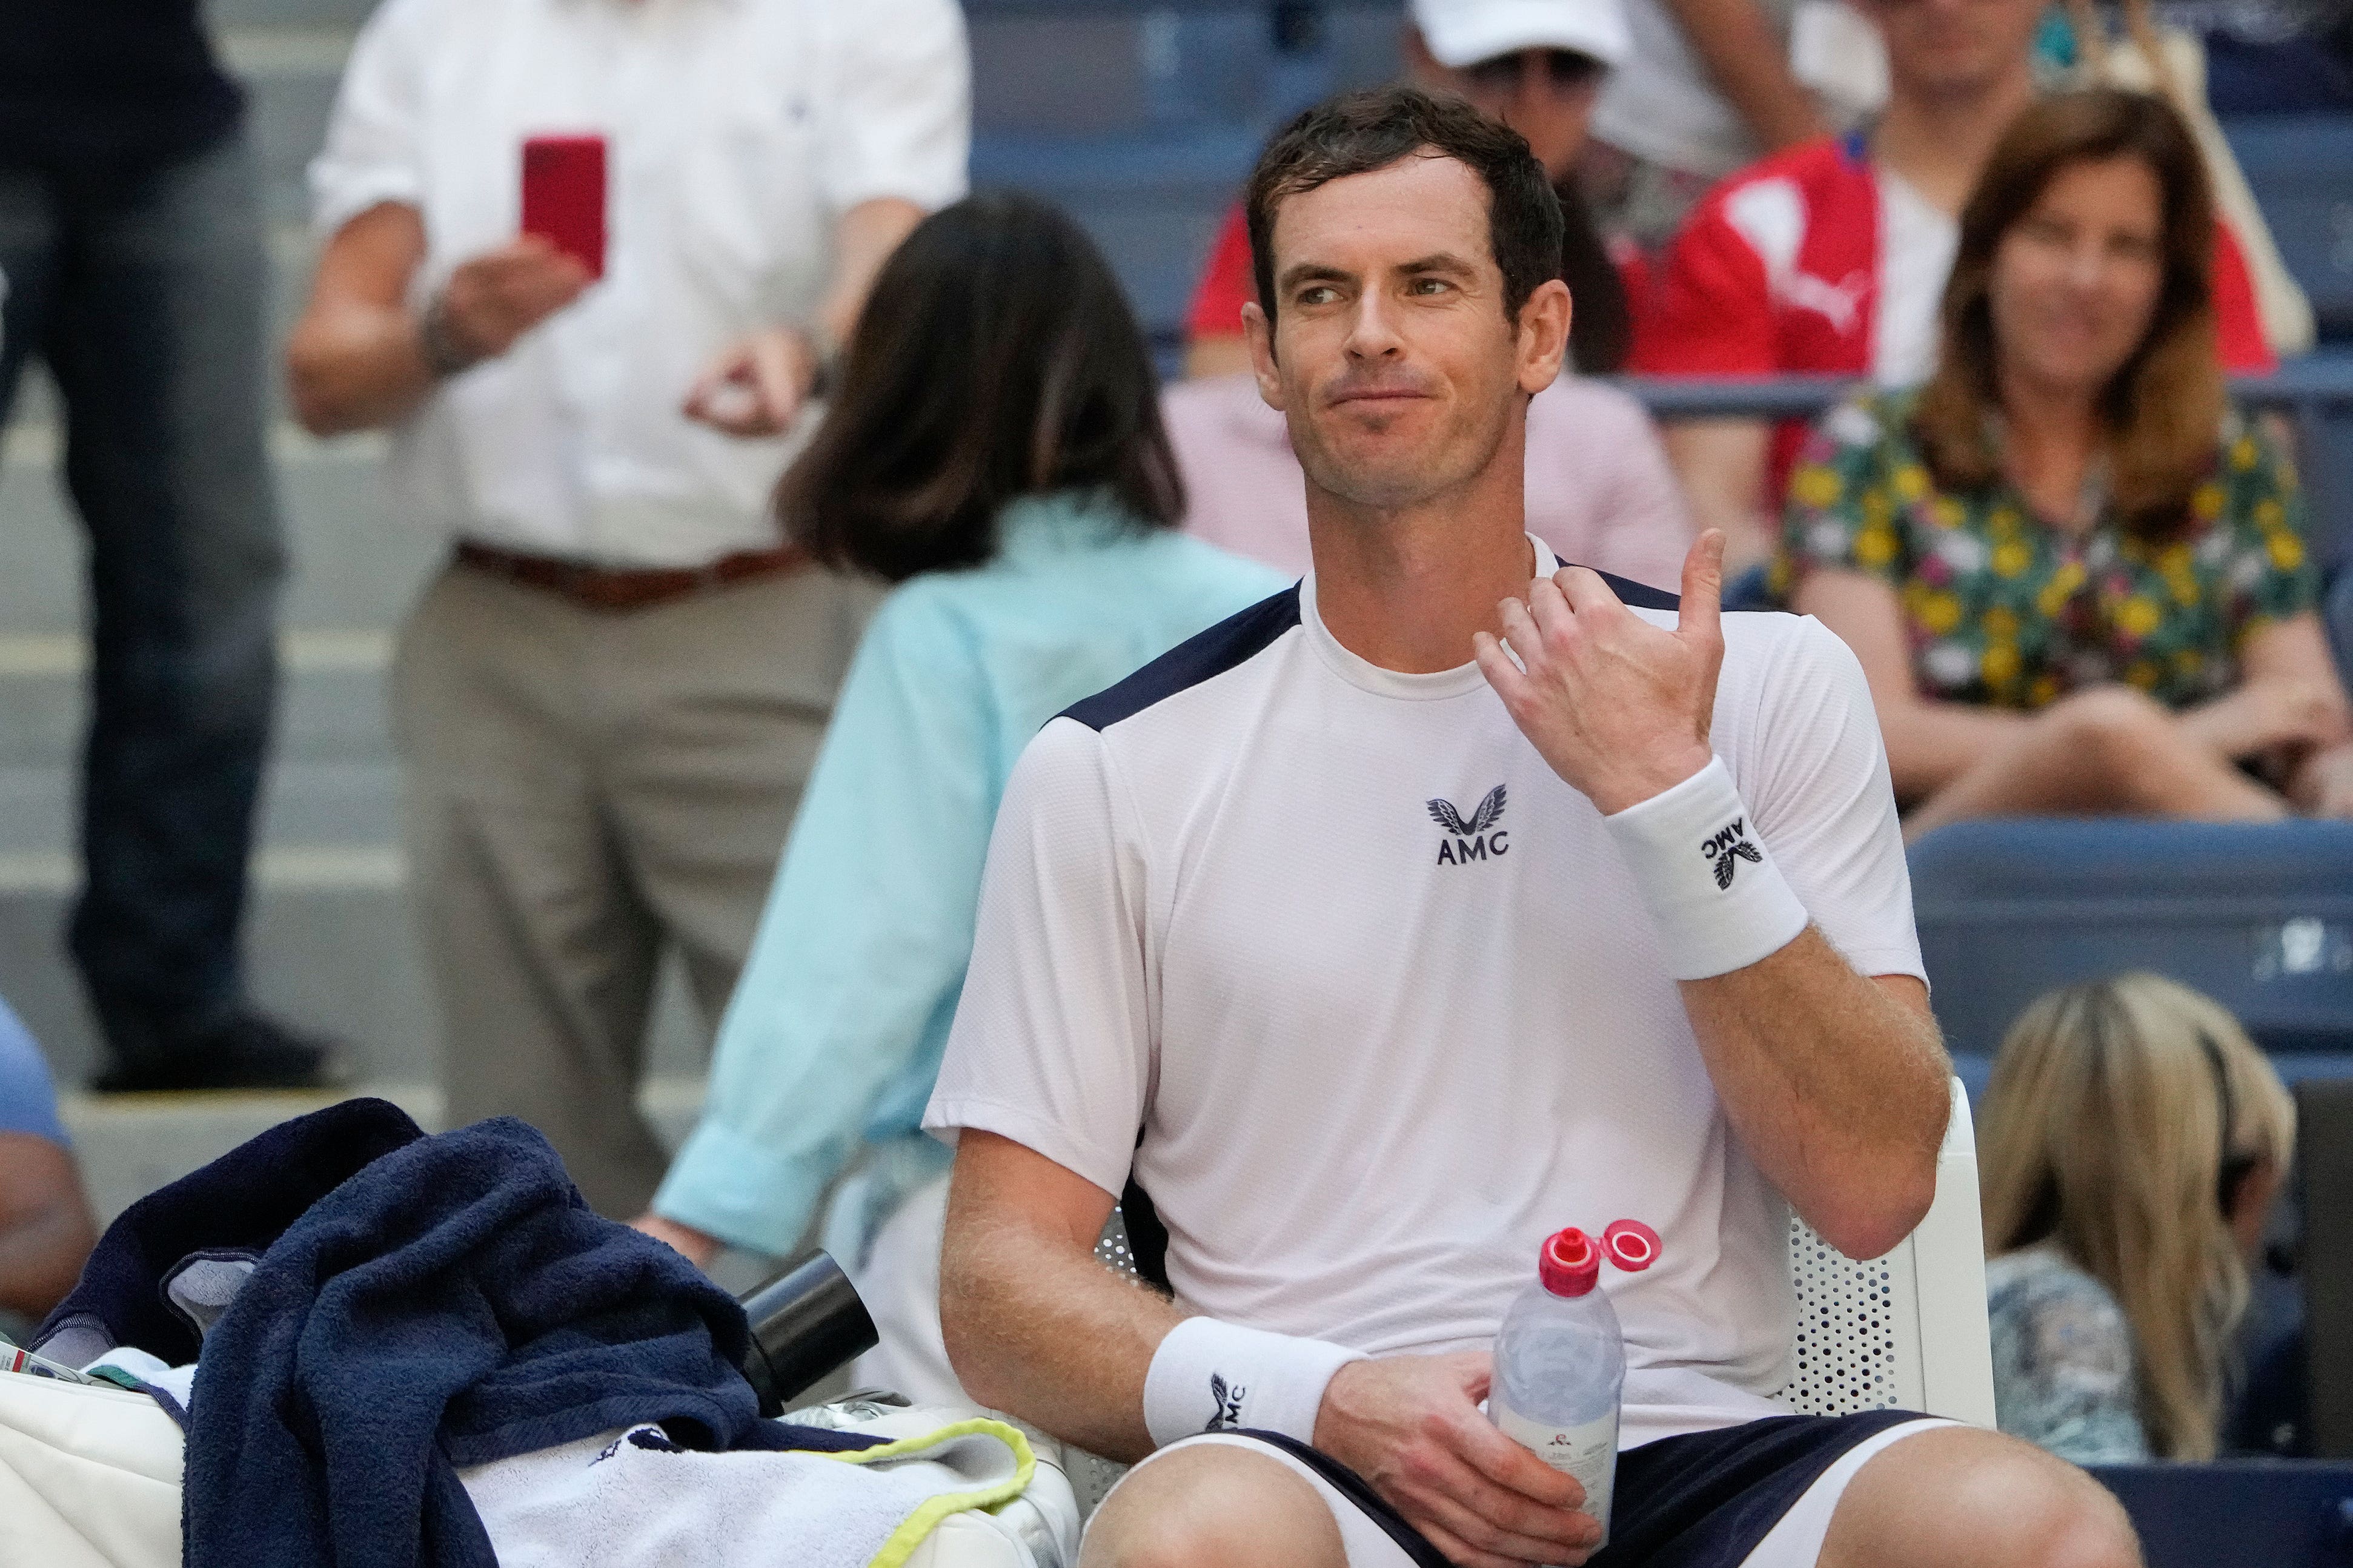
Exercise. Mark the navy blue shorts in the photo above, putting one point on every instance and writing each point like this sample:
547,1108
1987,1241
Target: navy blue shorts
1705,1501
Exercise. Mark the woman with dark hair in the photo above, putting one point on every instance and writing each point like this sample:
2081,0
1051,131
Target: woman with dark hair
996,451
2075,577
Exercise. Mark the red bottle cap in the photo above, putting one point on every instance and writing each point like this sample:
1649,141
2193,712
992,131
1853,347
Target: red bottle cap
1632,1244
1569,1263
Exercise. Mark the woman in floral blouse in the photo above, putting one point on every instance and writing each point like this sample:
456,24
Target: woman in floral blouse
2076,579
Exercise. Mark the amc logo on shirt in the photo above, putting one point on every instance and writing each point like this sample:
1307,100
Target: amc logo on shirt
1470,840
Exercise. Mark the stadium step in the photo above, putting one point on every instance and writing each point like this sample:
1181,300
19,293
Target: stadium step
355,564
329,946
130,1144
327,940
1141,122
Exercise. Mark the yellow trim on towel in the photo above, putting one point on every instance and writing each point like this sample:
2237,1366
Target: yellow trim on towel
918,1526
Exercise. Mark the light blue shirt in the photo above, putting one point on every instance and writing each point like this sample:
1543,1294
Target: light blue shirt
28,1098
836,1028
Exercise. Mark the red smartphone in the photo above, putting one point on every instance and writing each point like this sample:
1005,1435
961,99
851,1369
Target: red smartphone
564,195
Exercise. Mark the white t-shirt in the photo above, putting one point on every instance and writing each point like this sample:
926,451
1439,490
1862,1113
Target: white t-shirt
1661,105
737,135
1917,241
1376,1062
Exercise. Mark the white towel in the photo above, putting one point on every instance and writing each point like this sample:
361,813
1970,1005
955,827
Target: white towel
179,1382
632,1498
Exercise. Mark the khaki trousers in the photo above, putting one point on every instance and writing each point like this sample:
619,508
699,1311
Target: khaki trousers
582,789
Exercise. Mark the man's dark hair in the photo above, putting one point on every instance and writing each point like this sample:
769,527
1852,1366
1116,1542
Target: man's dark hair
1359,133
996,358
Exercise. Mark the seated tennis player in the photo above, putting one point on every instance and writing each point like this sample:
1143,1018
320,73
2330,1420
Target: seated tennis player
1456,895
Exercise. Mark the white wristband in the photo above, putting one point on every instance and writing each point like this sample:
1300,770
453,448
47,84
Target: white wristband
1208,1376
1718,899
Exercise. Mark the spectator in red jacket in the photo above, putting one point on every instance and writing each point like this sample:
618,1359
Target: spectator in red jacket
1538,68
1831,257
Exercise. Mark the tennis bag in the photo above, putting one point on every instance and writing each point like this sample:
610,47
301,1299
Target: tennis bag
90,1477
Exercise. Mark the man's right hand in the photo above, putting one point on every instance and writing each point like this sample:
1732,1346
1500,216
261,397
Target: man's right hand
500,295
1411,1426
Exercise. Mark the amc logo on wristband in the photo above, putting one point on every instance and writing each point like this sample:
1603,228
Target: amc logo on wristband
1227,1403
1727,847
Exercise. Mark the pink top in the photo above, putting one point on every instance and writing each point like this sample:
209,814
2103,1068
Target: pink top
1599,491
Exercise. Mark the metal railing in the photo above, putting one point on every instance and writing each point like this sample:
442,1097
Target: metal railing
1277,10
2313,392
2319,384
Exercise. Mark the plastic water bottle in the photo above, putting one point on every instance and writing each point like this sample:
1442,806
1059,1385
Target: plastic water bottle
1560,1361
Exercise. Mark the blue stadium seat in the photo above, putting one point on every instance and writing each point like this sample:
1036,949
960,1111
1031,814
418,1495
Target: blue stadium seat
1152,200
2337,614
1143,124
2275,1513
2323,425
2301,170
2258,917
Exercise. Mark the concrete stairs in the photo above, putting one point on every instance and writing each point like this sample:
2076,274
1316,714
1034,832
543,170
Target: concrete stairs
328,936
1141,122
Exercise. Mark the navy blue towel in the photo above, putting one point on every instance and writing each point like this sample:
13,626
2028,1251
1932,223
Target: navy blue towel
240,1203
426,1303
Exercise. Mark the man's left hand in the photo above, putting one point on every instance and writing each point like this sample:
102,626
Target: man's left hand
1619,707
759,385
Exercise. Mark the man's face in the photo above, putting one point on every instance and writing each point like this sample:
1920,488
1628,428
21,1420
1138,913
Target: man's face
1545,95
1390,351
1954,48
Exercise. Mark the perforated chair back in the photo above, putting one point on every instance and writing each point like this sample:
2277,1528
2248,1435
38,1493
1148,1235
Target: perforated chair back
1906,1332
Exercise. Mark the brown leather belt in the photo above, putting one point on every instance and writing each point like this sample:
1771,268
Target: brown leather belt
624,588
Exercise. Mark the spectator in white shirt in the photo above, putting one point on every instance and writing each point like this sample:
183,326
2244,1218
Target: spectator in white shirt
606,703
1707,87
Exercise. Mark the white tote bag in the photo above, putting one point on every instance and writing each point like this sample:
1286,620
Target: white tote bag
90,1477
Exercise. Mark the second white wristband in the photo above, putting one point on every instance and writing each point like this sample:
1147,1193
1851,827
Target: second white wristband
1719,901
1213,1376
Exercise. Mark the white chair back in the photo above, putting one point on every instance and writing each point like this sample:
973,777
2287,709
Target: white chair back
1906,1332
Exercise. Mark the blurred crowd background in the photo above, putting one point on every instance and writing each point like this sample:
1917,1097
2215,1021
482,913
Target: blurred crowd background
417,638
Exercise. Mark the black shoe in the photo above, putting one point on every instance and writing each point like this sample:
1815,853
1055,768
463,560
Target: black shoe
246,1050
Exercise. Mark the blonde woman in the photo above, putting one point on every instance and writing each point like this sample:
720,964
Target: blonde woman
2134,1140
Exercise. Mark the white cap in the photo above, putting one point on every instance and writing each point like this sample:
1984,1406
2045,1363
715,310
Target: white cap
1464,31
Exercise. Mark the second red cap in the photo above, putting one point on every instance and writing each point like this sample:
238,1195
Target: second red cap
1632,1244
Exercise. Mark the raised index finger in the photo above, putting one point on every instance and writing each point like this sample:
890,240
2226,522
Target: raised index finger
1702,615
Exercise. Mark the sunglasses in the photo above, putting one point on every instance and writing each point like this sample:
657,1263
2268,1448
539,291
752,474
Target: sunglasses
2232,1170
1565,70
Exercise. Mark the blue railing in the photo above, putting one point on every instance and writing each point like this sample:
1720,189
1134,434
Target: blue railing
2315,392
986,9
2319,384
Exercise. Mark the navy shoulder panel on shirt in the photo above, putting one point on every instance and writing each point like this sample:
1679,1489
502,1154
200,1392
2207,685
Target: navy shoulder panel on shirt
1640,595
1200,658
